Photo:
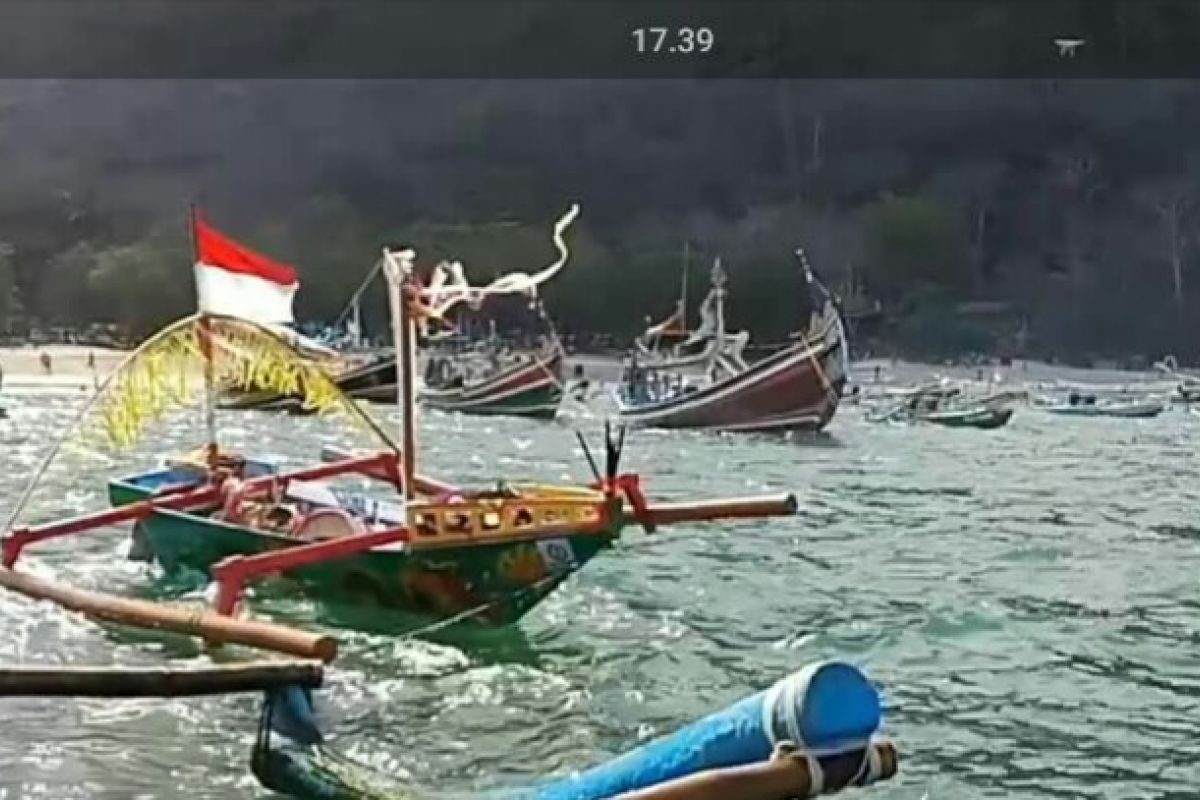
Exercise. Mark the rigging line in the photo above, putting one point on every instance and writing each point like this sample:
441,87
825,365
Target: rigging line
362,287
73,426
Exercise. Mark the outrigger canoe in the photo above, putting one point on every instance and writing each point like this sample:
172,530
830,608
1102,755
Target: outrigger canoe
492,554
488,554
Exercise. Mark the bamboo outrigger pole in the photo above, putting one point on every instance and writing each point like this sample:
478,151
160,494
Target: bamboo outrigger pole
158,681
207,625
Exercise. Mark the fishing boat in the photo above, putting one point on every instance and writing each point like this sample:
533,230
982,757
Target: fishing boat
489,554
489,378
1089,406
485,375
948,407
701,380
1187,385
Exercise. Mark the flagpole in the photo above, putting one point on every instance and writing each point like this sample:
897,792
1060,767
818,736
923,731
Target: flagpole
399,285
206,350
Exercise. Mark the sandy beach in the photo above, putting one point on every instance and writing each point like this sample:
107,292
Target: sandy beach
23,370
69,370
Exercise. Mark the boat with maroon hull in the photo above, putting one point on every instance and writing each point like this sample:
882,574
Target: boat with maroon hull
705,383
525,384
469,367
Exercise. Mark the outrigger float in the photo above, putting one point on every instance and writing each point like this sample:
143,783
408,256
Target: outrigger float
425,546
815,732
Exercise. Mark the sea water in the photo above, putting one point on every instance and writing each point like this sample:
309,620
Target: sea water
1026,599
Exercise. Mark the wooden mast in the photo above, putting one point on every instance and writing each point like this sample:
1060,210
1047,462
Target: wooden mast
206,350
404,339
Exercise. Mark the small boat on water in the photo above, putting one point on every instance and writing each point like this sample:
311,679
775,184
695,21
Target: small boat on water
949,407
704,382
425,546
1087,405
489,378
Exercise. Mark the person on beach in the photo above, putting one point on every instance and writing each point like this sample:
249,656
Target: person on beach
45,359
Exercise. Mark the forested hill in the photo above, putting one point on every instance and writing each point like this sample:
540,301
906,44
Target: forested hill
1074,204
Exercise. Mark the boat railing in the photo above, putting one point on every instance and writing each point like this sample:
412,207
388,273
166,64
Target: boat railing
456,523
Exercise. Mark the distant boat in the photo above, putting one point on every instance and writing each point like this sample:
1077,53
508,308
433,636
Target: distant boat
948,407
1089,406
703,381
1187,390
495,381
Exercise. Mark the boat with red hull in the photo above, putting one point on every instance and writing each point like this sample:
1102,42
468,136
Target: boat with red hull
798,387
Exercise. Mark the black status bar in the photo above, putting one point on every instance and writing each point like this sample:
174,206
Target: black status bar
599,38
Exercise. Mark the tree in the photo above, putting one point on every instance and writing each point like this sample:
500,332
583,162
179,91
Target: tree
7,283
64,294
914,243
1173,201
1076,175
146,284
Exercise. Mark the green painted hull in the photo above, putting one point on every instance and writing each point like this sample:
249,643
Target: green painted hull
985,418
504,581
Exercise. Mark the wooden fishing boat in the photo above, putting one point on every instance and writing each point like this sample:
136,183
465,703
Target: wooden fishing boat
947,406
523,385
426,546
983,417
487,376
1089,406
704,382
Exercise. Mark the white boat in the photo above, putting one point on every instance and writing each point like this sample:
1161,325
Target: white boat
1089,406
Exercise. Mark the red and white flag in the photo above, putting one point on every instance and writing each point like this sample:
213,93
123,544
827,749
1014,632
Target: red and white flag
235,281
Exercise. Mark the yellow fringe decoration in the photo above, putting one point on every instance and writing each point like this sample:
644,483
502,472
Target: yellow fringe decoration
167,373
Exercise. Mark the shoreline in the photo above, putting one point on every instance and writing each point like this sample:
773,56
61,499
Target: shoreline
21,370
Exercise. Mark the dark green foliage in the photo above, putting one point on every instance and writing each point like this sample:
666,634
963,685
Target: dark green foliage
1018,191
914,243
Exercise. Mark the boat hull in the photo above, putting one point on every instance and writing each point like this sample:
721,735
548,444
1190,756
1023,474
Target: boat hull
984,418
796,389
533,390
1132,411
501,582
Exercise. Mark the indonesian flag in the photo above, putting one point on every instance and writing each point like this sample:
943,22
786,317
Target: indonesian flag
235,281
